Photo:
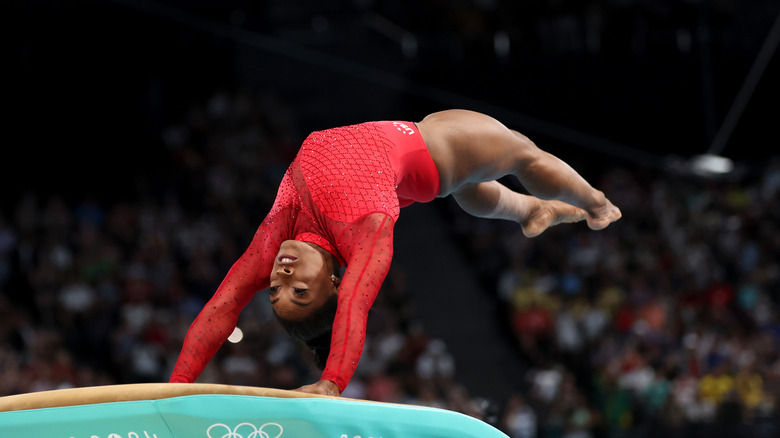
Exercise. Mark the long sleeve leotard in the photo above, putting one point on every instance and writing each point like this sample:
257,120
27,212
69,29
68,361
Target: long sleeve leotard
343,192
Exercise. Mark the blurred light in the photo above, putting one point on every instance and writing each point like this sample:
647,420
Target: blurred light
501,44
236,336
684,40
409,45
708,164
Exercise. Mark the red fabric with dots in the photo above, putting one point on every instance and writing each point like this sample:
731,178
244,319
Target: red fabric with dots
342,193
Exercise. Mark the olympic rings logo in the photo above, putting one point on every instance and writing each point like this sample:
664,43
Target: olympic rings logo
253,432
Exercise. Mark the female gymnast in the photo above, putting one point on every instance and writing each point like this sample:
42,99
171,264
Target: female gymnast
337,205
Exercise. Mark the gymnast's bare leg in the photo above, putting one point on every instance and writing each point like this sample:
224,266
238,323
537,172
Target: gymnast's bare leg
472,151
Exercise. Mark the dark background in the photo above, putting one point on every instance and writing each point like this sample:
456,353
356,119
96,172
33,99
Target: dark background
89,84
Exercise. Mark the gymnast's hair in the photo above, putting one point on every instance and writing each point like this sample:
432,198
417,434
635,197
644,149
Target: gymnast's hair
315,331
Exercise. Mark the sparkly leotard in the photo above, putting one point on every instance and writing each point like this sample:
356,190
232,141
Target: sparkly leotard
343,192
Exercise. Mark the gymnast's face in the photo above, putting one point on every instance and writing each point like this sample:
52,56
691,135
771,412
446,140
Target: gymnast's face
301,280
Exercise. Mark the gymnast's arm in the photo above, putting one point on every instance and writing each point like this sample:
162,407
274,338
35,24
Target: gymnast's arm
218,318
367,245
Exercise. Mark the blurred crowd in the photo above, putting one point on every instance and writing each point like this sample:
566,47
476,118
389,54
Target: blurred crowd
668,322
623,28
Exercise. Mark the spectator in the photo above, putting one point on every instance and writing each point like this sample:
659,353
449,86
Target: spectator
519,419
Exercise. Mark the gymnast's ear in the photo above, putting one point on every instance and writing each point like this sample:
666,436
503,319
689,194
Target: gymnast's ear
336,281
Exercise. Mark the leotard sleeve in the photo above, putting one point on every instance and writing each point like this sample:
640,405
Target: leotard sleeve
367,245
219,316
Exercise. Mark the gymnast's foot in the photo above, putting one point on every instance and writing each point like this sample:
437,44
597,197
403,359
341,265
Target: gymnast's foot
545,214
599,218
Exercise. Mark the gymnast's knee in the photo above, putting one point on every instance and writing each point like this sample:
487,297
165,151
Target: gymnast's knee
525,150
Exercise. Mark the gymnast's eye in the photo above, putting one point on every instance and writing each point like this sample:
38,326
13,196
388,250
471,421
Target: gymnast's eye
297,291
273,289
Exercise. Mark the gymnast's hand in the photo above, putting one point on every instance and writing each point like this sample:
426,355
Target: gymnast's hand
323,387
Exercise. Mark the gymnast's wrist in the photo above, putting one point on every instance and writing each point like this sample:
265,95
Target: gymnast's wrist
329,388
178,379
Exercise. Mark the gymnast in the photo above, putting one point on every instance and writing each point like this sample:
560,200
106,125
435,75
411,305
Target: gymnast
337,205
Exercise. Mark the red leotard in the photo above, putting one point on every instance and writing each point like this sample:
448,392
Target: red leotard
343,193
